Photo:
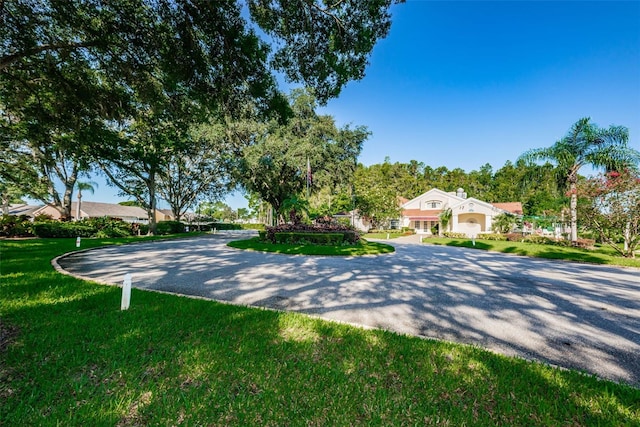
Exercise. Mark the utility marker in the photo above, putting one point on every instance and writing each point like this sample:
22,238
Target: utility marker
78,242
126,292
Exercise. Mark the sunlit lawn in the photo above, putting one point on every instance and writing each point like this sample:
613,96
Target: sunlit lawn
69,356
600,255
362,248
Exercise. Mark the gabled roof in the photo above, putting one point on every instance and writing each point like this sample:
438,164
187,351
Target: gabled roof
112,210
23,209
434,191
473,200
511,207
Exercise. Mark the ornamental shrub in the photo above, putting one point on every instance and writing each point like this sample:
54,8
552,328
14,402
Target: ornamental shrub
335,239
493,236
452,235
349,234
224,226
15,226
57,229
169,227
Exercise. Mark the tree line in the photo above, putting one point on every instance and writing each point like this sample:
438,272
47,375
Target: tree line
177,99
154,92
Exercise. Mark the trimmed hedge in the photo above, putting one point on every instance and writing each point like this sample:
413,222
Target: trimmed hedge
335,239
224,226
63,229
349,235
15,226
94,227
169,227
493,236
452,235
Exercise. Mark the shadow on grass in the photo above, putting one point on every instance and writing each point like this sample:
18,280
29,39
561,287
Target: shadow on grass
76,359
362,248
541,251
85,362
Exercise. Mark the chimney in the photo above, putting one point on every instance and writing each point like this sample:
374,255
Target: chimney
460,193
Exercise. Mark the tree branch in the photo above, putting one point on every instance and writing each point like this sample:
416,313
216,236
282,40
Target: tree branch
7,60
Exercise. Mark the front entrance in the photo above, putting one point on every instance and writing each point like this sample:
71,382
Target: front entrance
471,224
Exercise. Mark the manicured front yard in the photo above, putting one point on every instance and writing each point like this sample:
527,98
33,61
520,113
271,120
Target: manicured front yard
363,248
69,356
600,255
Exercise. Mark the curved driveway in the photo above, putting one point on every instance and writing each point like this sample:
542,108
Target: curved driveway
579,316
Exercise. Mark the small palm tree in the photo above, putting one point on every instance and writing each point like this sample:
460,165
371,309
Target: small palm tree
586,144
445,218
504,222
83,186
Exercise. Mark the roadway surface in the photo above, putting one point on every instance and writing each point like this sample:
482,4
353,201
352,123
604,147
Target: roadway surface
578,316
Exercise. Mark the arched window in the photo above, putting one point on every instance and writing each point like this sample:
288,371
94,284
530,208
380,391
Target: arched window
432,204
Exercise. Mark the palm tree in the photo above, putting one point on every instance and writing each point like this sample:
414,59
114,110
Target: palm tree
83,186
586,144
445,218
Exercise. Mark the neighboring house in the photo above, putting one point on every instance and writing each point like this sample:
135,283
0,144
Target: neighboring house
358,222
100,210
468,215
164,215
23,209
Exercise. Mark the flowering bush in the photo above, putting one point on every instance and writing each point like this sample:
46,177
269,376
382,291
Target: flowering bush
351,236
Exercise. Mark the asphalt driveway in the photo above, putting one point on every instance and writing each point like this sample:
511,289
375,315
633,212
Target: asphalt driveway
579,316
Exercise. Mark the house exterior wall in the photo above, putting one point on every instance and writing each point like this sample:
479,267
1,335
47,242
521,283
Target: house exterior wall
468,215
470,223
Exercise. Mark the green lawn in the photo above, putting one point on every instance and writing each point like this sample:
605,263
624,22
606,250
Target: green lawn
599,255
389,235
363,248
69,356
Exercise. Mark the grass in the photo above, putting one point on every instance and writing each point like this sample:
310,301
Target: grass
384,235
600,255
363,248
69,356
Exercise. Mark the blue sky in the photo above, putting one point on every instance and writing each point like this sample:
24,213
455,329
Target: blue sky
462,84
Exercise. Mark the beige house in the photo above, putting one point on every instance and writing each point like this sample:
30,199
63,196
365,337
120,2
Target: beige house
100,210
468,215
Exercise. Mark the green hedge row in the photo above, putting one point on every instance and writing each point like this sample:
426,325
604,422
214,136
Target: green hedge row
452,235
297,237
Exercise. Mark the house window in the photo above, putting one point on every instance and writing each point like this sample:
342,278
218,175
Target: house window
432,204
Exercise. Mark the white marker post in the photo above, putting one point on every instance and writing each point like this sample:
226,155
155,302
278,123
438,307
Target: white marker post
78,242
126,292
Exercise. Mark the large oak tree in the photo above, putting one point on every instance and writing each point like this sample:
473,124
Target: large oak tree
115,61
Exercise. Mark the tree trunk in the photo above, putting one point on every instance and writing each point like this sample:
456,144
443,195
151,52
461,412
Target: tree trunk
151,210
627,239
5,205
78,207
574,214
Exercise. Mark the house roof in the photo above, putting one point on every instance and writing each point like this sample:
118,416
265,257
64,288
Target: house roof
449,196
421,215
112,210
512,207
23,209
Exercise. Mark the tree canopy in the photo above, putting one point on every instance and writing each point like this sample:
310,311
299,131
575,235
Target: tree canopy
274,164
586,144
76,74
